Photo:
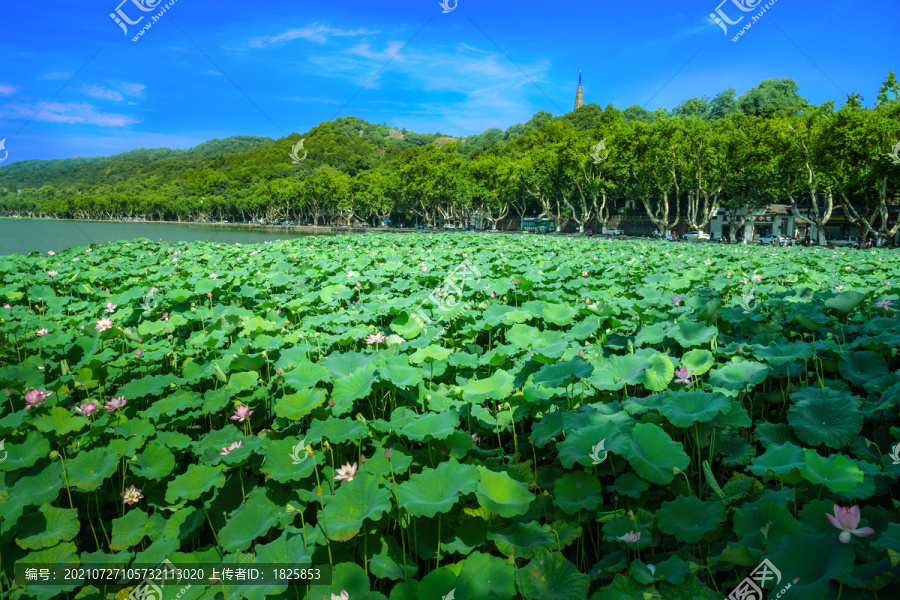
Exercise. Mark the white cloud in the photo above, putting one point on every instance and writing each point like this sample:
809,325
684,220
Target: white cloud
66,112
8,90
311,33
116,92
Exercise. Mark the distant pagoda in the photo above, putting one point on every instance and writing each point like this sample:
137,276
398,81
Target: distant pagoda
579,96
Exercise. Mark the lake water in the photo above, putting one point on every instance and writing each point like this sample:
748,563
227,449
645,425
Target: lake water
21,236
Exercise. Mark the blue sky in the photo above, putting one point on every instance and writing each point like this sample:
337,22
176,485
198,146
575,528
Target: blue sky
269,68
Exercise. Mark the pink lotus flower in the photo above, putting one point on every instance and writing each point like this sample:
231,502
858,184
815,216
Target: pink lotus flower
115,404
41,332
847,520
475,438
52,273
630,537
493,295
587,300
744,280
241,413
7,306
708,263
228,449
584,273
51,253
138,353
344,596
840,287
88,408
165,316
110,307
682,375
346,472
885,304
35,398
213,276
88,250
424,269
358,285
377,338
103,324
756,278
677,300
131,495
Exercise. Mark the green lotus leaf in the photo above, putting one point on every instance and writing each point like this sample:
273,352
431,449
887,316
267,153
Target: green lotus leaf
698,361
128,531
88,470
306,375
497,387
837,472
653,333
739,376
438,426
152,385
287,460
155,462
654,455
862,366
629,484
353,387
366,497
192,484
431,354
296,406
337,431
501,494
588,446
660,373
683,409
550,575
775,433
24,453
385,558
780,354
674,570
785,461
845,302
251,520
64,553
559,314
488,577
619,371
823,416
243,381
688,518
347,576
59,421
47,527
577,491
815,560
692,588
692,333
437,490
625,588
563,374
735,450
522,539
403,376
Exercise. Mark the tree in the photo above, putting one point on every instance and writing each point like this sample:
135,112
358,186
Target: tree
772,98
724,104
889,91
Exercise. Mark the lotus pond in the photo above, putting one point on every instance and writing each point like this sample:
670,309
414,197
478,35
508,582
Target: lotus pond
454,417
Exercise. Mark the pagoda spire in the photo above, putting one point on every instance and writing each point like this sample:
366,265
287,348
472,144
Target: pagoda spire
579,96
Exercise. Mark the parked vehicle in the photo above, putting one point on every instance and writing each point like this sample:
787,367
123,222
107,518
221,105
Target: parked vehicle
846,241
613,231
770,239
695,235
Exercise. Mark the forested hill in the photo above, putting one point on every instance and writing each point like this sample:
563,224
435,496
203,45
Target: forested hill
743,151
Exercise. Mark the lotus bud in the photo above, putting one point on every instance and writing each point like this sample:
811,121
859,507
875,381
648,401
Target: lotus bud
53,455
387,453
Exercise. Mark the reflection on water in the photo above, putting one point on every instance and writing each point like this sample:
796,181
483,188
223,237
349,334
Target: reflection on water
21,236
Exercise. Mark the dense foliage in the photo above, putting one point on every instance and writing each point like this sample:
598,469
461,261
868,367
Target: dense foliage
764,147
577,418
